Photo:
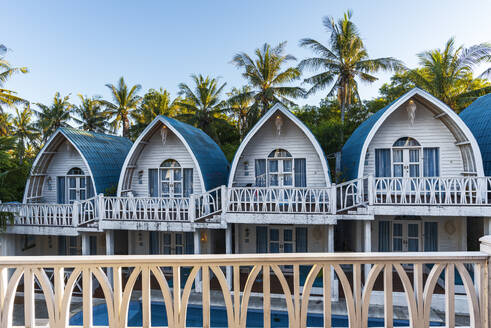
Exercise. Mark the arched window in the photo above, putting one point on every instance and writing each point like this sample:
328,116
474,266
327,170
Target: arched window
75,171
279,153
172,163
406,142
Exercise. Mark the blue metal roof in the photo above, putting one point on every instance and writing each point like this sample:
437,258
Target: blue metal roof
478,118
105,155
351,152
211,159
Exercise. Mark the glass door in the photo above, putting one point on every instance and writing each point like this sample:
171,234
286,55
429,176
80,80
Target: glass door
171,179
76,188
406,236
281,240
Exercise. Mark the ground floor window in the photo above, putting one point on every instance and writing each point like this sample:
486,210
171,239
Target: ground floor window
69,245
281,239
407,236
171,243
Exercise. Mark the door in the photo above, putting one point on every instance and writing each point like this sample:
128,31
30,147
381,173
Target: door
281,240
406,236
406,162
171,182
76,188
173,243
280,172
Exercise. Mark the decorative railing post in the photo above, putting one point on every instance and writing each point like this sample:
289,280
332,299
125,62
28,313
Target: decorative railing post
76,214
370,189
192,208
486,288
224,195
99,212
332,198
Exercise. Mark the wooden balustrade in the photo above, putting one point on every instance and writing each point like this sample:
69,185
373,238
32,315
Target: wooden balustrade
352,194
433,191
279,200
210,203
162,272
59,215
145,208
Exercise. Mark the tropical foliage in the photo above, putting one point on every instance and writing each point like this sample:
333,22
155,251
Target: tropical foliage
54,116
91,114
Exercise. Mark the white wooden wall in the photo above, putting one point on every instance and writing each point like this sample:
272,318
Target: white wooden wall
457,241
154,153
316,238
292,139
430,132
66,157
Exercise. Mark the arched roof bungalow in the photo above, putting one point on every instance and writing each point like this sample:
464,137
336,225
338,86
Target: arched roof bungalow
76,165
172,159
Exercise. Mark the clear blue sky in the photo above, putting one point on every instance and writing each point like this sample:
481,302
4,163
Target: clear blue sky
79,46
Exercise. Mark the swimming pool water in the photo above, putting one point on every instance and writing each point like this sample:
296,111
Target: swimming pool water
218,317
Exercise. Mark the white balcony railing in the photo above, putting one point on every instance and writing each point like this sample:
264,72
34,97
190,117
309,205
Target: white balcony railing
247,272
146,209
432,191
209,203
58,215
352,194
279,200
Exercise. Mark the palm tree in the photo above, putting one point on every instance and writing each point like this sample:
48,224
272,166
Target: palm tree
125,101
8,97
239,105
448,74
92,116
154,103
202,103
5,124
24,130
267,76
54,116
342,62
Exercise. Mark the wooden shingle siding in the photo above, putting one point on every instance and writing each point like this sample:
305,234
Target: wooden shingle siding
66,157
429,132
291,139
154,153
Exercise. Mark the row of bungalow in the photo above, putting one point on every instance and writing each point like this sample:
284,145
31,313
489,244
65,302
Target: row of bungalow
417,177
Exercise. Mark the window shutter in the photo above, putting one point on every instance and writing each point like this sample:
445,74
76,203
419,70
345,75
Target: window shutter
431,162
60,190
301,240
300,172
261,239
154,242
188,182
153,182
382,162
260,169
383,236
189,243
90,188
431,236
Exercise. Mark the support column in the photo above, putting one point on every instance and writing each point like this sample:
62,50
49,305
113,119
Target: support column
487,226
110,251
330,238
197,250
85,243
367,247
237,239
7,244
486,248
228,250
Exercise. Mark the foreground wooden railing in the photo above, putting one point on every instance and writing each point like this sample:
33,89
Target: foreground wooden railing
159,271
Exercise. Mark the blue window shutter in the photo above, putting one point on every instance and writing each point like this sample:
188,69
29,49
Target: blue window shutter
154,242
90,188
382,162
260,170
261,239
300,172
189,243
431,162
60,190
431,236
301,240
383,236
153,182
188,182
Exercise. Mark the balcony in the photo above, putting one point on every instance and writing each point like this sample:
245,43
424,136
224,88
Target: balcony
175,280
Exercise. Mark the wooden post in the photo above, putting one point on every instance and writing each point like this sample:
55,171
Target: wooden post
192,209
110,251
100,215
224,198
368,244
228,250
370,189
197,250
332,199
85,244
486,285
75,213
